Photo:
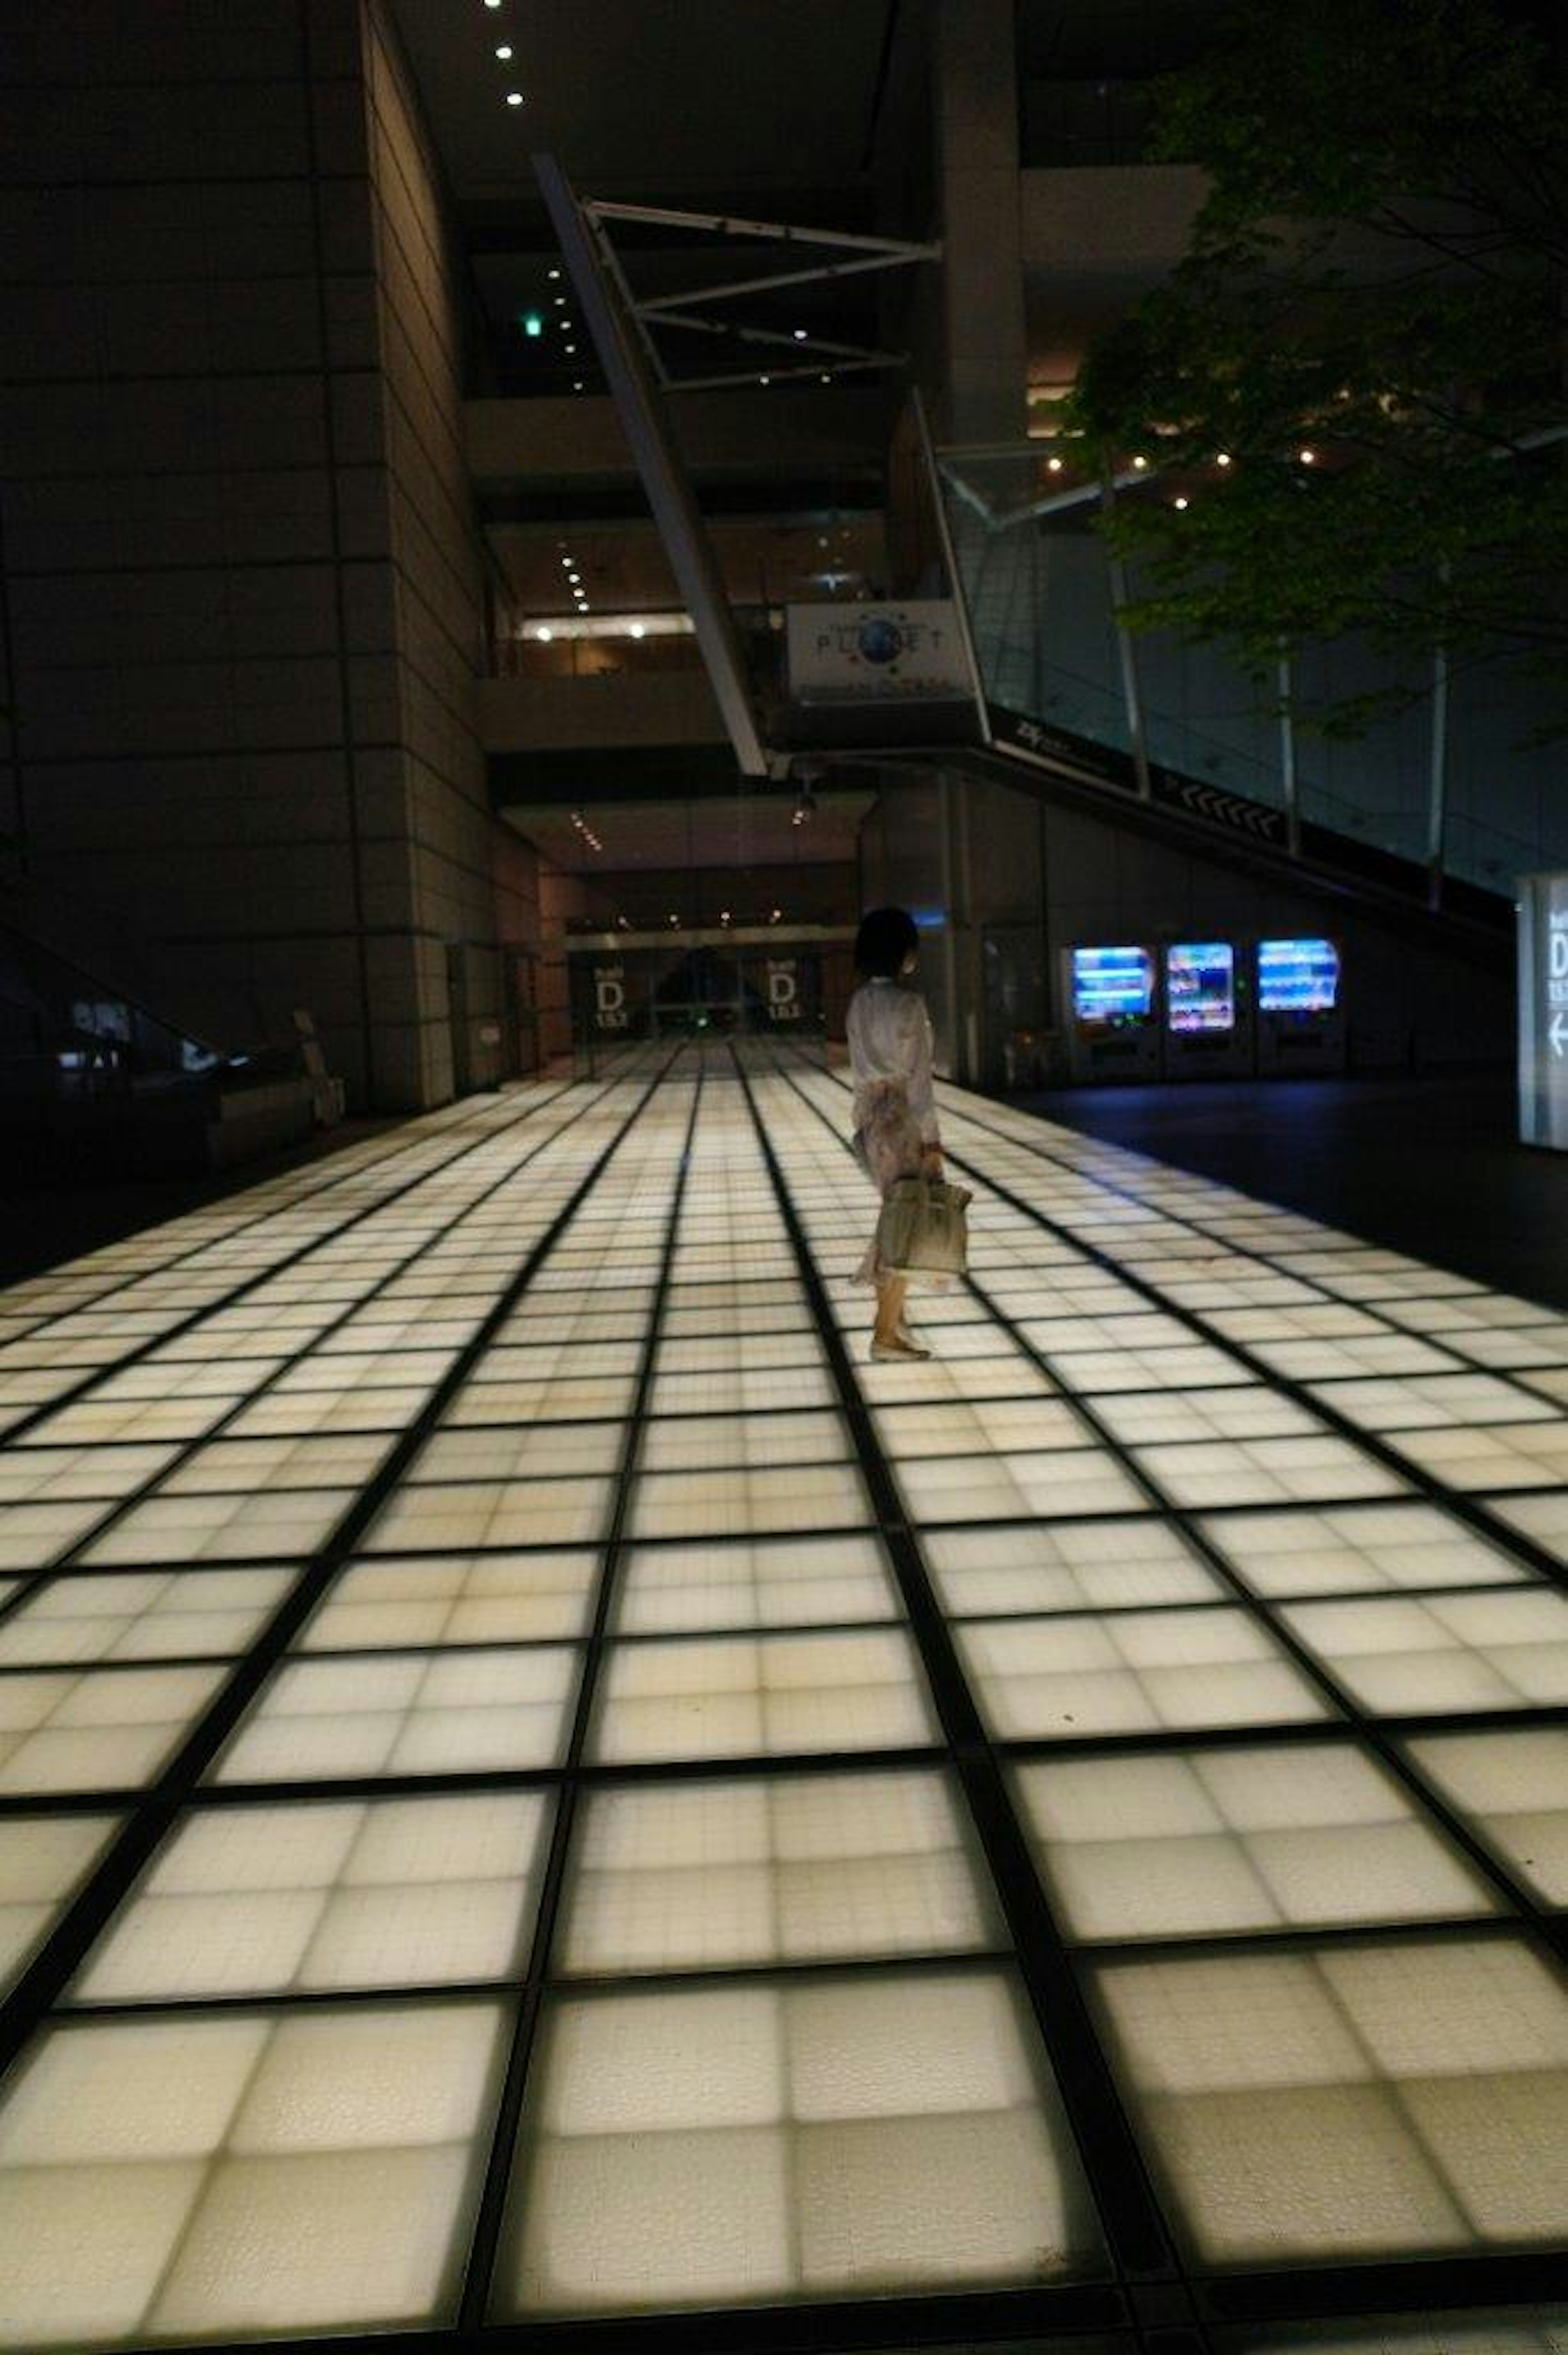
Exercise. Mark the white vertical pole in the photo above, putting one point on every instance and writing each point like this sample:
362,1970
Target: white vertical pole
1131,697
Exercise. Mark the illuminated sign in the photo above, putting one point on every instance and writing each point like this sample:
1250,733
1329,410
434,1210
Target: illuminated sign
1200,985
1543,1010
1298,976
1112,985
861,654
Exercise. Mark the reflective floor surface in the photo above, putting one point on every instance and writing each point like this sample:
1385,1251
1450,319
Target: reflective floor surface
540,1788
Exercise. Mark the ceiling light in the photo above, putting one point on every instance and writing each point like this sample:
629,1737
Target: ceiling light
504,50
552,273
675,920
578,385
547,635
1140,463
1309,457
827,378
1179,502
1054,465
774,914
492,4
1223,458
638,631
513,98
799,335
559,299
765,379
572,574
571,351
723,915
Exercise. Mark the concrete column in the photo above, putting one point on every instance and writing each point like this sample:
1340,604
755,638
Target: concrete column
984,348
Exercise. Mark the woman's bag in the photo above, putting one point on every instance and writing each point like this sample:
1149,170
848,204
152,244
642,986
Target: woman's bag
923,1229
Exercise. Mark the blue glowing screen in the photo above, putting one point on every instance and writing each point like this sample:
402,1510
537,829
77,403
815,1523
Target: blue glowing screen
1298,976
1112,985
1200,985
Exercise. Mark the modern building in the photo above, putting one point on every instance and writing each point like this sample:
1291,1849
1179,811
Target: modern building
544,1804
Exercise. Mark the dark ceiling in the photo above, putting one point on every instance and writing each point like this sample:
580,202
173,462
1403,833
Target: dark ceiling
681,101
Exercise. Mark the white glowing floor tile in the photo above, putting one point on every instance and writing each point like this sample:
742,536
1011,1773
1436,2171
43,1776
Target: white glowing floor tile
287,1522
812,1869
387,1893
1358,1549
1513,1785
95,1420
1066,1679
743,1501
1199,1843
578,1449
965,1426
544,1397
50,1476
762,1696
1099,1373
240,2176
1265,1471
455,1517
992,1487
1542,1519
944,1380
1371,2100
712,1442
1504,1649
748,1390
1251,1410
682,1588
1528,1455
34,1535
304,1413
406,1713
1435,1401
1064,1566
106,1729
831,2136
43,1860
225,1464
498,1598
128,1615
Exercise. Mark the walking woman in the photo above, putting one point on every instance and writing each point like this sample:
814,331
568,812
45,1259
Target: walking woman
889,1034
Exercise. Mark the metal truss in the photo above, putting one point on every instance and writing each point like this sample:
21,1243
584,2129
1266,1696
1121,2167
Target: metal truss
814,354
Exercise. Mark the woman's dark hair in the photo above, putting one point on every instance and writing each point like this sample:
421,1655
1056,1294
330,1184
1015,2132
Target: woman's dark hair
887,936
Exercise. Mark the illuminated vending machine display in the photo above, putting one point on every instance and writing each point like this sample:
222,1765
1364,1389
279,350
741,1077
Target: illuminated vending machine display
1208,1034
1300,1006
1114,1034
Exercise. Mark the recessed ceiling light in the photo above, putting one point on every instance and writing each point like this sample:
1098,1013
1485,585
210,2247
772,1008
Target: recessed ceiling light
765,379
1223,458
571,350
560,298
513,98
578,385
567,563
1179,502
504,50
492,4
638,631
799,335
1054,465
552,273
1309,457
1140,463
548,635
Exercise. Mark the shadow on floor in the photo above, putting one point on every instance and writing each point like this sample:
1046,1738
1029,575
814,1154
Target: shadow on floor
1431,1166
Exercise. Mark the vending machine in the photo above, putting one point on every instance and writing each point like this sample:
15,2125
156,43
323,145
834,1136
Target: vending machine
1300,1006
1114,1029
1208,1013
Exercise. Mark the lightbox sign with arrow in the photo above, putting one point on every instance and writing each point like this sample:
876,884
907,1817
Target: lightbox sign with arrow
1543,1010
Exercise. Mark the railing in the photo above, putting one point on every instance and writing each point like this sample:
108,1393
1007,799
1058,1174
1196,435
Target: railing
1043,597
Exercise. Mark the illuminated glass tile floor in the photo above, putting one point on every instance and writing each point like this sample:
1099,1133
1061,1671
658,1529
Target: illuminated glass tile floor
539,1788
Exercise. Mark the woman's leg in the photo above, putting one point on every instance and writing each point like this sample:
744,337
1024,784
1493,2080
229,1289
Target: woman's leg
891,1294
